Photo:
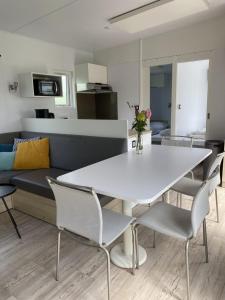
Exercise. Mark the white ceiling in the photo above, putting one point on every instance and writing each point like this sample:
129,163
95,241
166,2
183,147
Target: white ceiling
80,23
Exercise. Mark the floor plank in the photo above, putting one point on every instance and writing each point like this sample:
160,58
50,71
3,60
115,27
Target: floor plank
27,266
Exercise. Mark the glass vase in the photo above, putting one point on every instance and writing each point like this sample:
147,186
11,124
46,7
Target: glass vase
139,143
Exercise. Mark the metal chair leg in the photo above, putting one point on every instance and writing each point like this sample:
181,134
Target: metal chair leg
58,254
11,217
181,200
217,206
108,270
133,251
187,270
137,247
205,241
203,234
154,239
178,195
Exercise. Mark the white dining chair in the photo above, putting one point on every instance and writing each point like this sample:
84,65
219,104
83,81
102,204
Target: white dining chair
179,223
189,187
177,140
78,211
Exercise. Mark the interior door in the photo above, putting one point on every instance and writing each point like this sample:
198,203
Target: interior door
191,97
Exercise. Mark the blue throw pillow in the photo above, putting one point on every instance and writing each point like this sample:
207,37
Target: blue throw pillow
6,160
6,147
17,141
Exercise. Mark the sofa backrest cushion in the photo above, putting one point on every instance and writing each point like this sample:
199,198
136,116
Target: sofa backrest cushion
32,155
8,138
72,152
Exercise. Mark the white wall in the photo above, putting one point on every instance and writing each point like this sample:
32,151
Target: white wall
124,80
21,54
103,128
206,36
192,93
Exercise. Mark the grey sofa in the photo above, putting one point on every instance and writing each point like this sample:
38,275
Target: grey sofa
67,153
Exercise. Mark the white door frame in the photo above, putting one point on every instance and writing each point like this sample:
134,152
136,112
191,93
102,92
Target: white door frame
174,60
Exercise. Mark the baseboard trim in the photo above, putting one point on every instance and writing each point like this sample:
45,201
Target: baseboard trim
35,205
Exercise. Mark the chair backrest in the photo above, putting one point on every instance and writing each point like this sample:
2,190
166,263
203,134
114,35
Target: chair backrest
216,163
180,141
200,206
78,210
214,166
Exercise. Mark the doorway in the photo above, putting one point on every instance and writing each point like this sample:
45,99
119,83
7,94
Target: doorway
160,99
176,89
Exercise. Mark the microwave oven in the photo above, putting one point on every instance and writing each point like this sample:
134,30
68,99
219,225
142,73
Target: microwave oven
47,86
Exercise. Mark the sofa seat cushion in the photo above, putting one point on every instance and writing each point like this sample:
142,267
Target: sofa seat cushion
35,181
6,176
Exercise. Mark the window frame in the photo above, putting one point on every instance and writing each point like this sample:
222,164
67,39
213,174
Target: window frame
70,94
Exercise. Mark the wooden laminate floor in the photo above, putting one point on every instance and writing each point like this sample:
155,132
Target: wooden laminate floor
27,266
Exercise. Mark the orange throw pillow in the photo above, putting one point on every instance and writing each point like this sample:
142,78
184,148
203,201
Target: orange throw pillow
32,155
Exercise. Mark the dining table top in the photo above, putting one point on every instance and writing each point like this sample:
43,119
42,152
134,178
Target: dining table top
139,178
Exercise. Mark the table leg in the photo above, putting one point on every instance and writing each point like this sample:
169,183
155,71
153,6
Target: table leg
11,217
121,254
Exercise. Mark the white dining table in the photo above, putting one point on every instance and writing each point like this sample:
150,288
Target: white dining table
137,179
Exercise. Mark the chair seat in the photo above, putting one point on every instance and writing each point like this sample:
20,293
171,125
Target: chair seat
169,220
187,186
114,224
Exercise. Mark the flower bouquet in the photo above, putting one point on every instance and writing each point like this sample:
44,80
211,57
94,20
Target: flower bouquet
140,123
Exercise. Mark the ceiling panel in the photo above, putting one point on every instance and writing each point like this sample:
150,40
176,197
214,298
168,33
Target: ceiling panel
151,17
17,13
81,23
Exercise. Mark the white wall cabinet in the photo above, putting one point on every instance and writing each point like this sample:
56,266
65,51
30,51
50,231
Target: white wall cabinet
91,73
28,83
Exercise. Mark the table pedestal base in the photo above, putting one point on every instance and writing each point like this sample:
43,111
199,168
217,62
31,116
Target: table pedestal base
120,259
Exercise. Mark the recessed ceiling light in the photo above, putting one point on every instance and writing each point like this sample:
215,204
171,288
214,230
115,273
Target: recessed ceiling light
157,13
138,10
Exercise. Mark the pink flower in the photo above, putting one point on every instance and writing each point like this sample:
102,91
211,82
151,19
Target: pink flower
148,113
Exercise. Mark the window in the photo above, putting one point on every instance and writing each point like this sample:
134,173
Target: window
67,98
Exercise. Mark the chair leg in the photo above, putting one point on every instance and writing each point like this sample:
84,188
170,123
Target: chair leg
205,241
154,239
187,270
178,195
108,270
133,250
58,254
134,254
137,247
203,234
181,199
217,206
11,217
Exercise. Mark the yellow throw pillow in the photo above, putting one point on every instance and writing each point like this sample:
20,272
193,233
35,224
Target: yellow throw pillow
32,155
